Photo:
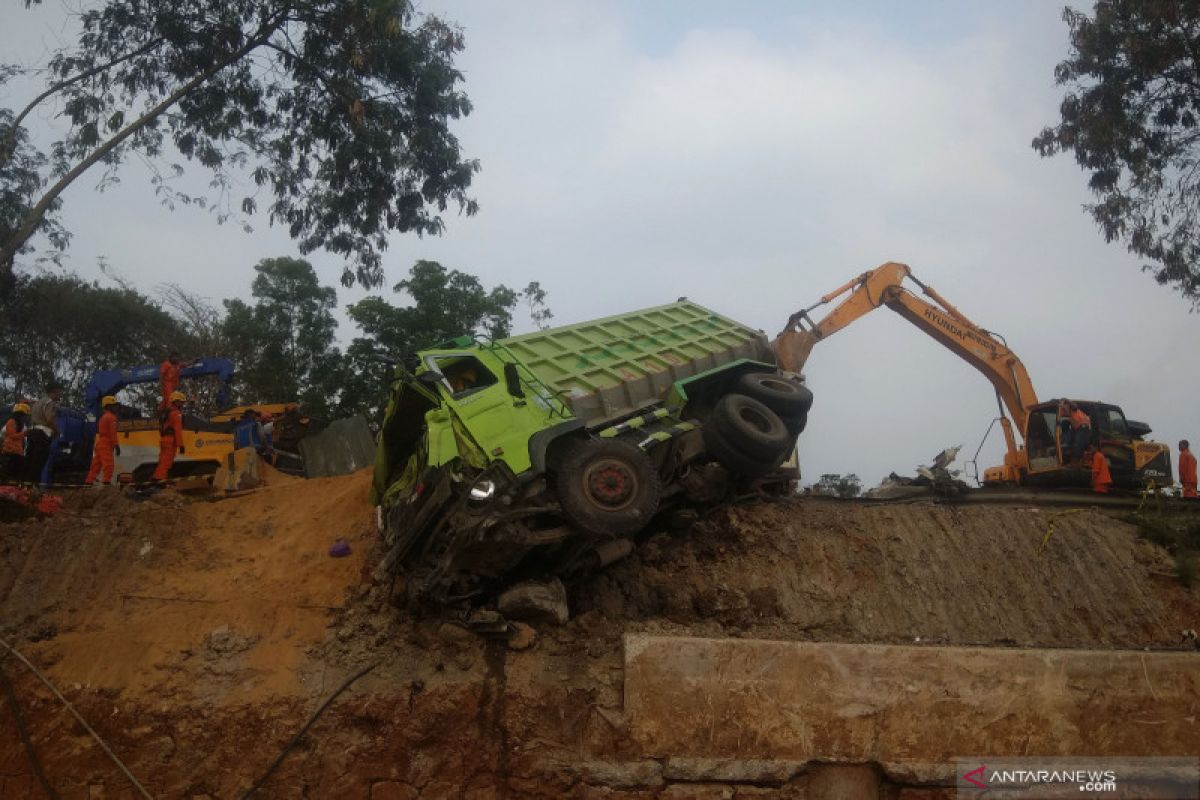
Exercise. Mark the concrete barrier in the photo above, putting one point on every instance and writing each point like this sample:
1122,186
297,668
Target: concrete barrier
912,710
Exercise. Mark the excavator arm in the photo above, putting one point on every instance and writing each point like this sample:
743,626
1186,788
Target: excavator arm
883,286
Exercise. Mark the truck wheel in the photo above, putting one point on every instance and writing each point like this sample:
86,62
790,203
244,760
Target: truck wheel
796,425
735,459
749,426
788,398
608,487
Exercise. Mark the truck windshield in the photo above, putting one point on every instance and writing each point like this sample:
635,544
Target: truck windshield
464,374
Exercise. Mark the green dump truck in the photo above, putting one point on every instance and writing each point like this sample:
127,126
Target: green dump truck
543,453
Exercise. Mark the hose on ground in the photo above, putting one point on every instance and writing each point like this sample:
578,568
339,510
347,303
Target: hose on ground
23,732
296,739
82,721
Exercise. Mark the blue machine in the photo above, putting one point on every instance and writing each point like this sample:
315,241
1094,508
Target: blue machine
71,450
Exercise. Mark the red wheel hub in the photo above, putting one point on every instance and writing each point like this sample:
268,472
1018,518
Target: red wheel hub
610,484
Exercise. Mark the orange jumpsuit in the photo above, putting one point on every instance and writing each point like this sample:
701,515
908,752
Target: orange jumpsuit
1187,472
170,438
102,449
14,440
1101,477
168,380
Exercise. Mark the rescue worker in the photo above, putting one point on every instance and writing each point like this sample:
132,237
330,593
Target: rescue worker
12,452
1101,478
1187,469
43,428
1081,433
105,444
168,378
170,435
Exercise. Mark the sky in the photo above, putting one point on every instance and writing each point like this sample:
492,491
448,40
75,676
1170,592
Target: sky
752,156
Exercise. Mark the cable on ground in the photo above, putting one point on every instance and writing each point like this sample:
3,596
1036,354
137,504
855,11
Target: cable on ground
81,720
296,739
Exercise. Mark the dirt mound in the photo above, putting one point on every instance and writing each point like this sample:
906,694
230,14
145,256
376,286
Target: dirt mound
198,636
898,574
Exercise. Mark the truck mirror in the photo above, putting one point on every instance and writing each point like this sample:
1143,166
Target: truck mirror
431,378
512,380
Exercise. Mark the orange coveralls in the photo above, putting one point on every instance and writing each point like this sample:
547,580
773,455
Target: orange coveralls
102,449
1101,477
170,438
14,440
1187,472
168,380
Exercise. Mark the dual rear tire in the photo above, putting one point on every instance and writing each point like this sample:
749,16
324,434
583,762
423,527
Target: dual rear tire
753,430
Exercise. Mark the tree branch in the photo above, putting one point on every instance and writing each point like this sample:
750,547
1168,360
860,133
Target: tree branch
6,148
36,215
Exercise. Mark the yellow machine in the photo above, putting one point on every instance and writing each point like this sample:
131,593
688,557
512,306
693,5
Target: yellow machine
206,446
1134,462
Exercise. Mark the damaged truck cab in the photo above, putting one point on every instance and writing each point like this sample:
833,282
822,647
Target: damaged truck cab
532,454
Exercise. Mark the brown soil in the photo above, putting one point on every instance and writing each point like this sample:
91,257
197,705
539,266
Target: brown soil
197,637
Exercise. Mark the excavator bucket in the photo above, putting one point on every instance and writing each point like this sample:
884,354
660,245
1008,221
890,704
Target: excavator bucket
792,349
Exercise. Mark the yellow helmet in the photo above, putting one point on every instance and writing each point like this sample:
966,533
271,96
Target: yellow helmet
178,397
20,408
108,400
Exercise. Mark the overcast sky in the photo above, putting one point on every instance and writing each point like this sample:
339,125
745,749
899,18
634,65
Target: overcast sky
754,156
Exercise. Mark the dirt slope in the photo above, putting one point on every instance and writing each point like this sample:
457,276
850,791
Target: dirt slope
197,637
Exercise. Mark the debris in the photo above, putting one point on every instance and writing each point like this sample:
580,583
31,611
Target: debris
937,478
523,637
340,549
537,601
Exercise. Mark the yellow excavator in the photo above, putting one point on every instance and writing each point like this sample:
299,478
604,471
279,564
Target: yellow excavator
1041,460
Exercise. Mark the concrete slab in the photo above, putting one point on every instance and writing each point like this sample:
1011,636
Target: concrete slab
916,706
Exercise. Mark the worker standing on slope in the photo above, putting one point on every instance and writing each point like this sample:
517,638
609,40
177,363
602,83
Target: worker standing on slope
1101,478
170,434
105,445
43,427
1187,469
13,450
168,378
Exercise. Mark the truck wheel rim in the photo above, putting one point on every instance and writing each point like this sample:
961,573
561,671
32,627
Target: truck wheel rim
610,484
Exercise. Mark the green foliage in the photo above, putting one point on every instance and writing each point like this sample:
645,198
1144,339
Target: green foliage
62,328
337,111
837,485
535,296
22,171
1131,116
283,345
1179,537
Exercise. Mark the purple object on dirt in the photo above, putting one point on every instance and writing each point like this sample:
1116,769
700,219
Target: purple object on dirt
340,548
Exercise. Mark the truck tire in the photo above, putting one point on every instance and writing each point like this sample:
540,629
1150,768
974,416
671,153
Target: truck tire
790,399
735,459
749,426
608,487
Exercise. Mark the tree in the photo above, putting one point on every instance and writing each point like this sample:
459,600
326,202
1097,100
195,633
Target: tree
284,343
1131,117
61,328
838,485
445,304
339,109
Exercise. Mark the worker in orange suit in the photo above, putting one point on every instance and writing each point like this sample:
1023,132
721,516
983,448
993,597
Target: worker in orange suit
170,435
168,378
1187,469
1101,477
105,445
12,452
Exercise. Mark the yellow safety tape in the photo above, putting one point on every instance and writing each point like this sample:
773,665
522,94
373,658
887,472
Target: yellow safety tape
1050,527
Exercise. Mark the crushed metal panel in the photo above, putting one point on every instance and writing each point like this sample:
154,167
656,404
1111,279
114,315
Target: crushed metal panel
345,446
741,698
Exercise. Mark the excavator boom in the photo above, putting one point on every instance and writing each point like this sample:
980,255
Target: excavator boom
985,351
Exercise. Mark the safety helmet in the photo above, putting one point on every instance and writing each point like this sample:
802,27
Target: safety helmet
108,400
20,408
178,397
